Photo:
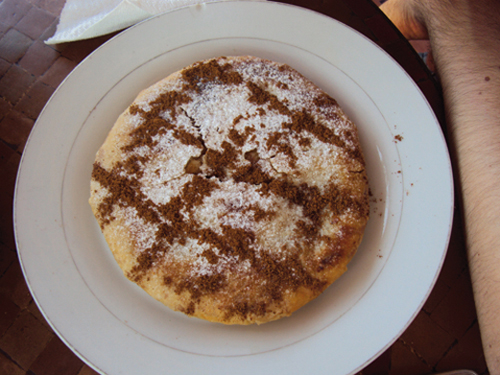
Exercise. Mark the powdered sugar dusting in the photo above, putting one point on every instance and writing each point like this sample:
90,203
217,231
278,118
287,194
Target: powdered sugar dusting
142,232
234,166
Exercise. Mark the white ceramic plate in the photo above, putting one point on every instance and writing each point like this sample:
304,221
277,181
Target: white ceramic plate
118,329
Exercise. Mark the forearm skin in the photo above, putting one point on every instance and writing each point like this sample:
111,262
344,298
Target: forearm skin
467,56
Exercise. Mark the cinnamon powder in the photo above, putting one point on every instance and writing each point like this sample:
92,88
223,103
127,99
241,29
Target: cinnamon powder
260,97
280,275
203,73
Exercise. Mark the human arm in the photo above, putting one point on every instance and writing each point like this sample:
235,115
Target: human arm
465,42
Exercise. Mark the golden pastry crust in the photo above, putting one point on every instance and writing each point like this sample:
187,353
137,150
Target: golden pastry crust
233,190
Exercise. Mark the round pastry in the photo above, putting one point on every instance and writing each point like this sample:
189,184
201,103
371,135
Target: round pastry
233,190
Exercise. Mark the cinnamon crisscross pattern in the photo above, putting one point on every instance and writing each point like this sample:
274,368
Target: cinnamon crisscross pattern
234,190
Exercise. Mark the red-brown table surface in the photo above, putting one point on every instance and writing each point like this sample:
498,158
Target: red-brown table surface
444,335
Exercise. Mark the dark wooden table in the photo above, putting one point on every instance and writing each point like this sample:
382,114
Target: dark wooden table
443,337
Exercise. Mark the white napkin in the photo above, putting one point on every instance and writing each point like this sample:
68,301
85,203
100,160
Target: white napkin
84,19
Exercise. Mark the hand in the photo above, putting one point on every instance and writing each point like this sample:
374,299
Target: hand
405,14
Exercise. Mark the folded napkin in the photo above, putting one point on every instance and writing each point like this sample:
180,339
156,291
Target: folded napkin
84,19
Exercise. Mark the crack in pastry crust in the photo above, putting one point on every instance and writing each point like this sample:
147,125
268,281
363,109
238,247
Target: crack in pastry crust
233,190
